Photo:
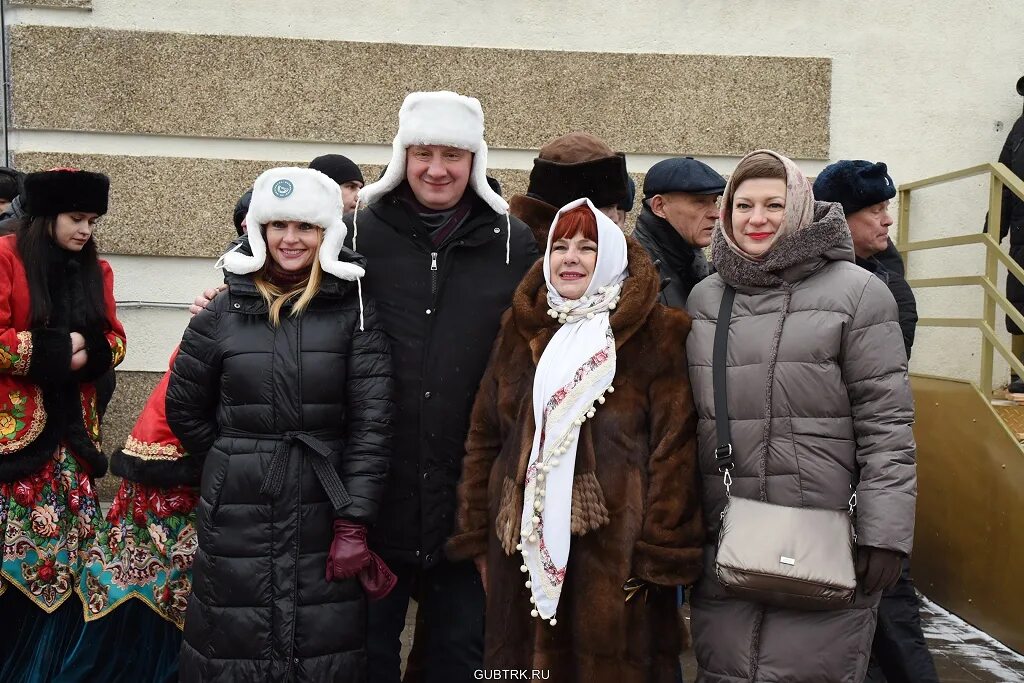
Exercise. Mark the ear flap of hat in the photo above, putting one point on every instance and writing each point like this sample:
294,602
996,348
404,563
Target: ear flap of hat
478,181
392,178
243,264
334,241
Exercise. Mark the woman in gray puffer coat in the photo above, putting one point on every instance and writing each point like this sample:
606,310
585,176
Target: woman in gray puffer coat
819,404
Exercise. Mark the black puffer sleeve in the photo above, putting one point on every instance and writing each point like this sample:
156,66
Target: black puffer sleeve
194,387
364,465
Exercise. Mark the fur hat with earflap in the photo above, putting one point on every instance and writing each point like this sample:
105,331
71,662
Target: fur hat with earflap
437,118
295,194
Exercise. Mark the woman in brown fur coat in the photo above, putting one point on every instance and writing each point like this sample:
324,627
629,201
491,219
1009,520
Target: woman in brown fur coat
562,520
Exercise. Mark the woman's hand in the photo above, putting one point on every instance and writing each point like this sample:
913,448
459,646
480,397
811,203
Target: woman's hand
79,359
878,569
79,354
77,342
348,554
204,299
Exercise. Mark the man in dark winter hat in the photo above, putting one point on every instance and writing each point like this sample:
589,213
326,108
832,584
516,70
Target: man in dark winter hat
1011,223
569,167
343,171
676,222
11,181
864,188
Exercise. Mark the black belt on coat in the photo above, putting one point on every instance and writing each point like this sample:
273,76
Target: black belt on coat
319,455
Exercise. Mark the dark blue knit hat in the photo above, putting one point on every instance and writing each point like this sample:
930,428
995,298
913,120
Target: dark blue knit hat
854,184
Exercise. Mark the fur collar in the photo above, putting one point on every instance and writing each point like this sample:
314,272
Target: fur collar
639,296
794,257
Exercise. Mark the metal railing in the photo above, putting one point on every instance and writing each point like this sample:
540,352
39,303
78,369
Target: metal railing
999,176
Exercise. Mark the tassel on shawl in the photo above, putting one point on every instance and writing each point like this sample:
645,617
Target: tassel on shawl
510,510
589,511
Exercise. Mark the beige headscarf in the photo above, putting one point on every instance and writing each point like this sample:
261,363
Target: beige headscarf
799,202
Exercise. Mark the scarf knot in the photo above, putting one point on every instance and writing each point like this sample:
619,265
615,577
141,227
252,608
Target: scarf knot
586,307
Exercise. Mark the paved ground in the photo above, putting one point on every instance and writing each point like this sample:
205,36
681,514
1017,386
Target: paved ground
962,653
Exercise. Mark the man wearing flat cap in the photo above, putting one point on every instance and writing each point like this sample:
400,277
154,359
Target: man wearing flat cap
676,222
864,188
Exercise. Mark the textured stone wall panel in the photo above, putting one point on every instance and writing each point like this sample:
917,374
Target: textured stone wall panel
63,4
285,89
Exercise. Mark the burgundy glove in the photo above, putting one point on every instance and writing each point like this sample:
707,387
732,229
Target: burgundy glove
348,554
878,569
376,578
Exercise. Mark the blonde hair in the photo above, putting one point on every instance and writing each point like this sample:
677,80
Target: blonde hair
277,298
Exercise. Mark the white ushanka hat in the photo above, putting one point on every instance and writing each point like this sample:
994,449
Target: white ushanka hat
295,194
439,118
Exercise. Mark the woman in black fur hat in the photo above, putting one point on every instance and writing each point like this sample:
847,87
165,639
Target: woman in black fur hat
58,333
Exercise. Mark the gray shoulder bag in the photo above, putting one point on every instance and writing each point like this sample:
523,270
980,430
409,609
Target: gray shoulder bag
798,558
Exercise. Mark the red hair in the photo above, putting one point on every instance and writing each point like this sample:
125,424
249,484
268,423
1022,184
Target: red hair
579,221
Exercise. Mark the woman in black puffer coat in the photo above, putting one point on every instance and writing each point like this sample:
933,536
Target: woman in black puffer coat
284,387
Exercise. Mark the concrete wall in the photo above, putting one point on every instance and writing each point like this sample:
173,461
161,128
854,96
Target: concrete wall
184,102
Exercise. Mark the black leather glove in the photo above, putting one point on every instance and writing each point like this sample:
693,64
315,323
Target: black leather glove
878,569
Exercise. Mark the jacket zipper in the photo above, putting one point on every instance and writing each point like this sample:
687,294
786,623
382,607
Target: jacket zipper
292,661
433,276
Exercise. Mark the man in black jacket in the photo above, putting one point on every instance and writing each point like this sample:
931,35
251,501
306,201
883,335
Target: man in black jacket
444,259
11,208
899,653
864,189
677,221
1012,223
11,181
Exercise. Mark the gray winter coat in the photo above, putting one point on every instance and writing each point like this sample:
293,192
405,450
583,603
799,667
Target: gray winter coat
841,415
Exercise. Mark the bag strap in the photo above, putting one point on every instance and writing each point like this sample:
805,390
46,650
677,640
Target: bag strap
723,453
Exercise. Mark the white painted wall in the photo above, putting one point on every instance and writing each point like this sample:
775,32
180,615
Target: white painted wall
923,86
153,294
